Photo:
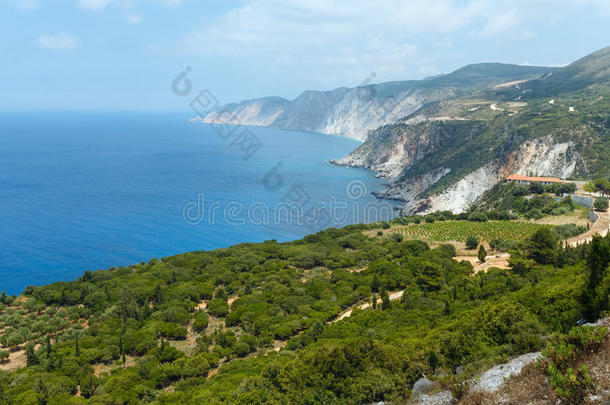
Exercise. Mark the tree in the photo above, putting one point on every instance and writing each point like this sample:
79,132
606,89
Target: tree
31,357
4,355
542,246
482,254
385,300
602,185
536,188
76,347
598,258
589,187
601,204
472,242
49,348
375,285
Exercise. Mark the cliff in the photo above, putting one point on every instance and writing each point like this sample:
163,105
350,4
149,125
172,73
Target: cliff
353,112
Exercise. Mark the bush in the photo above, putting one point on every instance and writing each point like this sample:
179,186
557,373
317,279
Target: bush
568,230
200,323
534,213
502,245
218,307
562,359
398,237
472,242
601,204
477,216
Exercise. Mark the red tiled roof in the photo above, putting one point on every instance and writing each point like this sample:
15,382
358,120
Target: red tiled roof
520,177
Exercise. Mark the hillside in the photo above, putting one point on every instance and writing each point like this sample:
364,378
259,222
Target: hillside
448,153
352,112
346,316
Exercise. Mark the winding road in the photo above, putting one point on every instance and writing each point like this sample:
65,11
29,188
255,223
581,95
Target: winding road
600,227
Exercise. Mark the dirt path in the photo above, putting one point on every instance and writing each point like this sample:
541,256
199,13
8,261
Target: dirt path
600,227
393,297
499,261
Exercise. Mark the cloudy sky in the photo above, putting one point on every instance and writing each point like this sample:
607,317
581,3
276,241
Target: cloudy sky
124,54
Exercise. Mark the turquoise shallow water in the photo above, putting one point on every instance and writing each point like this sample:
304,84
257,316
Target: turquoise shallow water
83,191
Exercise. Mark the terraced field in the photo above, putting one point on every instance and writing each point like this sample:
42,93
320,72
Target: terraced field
460,230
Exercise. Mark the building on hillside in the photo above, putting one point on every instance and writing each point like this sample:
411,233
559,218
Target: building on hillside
520,179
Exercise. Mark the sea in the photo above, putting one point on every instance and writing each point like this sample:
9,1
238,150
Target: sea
86,191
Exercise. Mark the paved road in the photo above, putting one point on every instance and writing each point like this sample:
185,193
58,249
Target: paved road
600,227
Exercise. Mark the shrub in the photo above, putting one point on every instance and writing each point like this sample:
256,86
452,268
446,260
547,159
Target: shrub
601,204
562,359
477,216
200,323
398,237
568,230
218,307
534,213
502,245
472,242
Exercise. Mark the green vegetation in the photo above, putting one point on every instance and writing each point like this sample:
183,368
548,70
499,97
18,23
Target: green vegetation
598,186
601,204
482,254
472,242
480,135
461,230
530,202
204,327
562,361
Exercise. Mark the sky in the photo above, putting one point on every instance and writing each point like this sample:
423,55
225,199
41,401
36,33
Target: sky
124,54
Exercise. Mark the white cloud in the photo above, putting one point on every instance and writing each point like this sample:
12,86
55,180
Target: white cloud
340,40
351,38
57,42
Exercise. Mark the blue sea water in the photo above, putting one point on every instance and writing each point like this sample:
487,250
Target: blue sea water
87,191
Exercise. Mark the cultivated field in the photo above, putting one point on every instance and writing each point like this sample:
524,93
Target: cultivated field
460,230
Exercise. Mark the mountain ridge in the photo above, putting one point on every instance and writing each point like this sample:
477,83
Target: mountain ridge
353,111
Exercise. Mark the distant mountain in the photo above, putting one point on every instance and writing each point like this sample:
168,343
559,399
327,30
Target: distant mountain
352,112
448,153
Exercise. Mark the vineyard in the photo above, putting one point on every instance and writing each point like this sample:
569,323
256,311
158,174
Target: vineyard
460,230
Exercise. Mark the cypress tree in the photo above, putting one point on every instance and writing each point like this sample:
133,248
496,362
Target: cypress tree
385,300
31,357
49,348
482,254
375,284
